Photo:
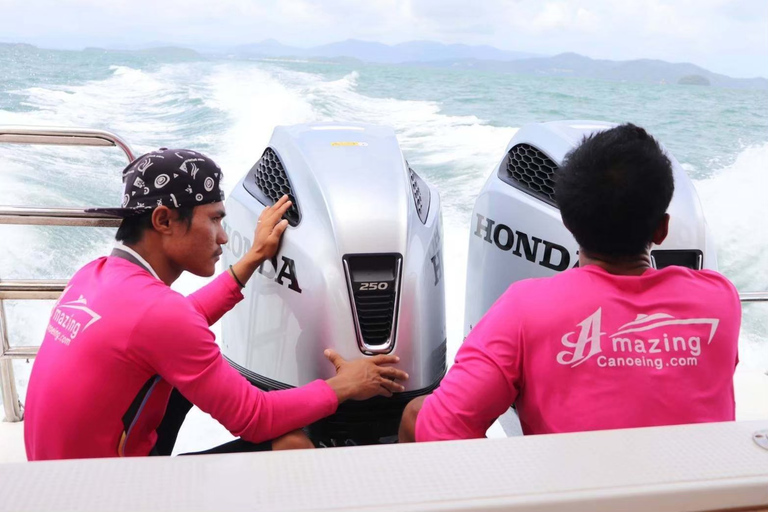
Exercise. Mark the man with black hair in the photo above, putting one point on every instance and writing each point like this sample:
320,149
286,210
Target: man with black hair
124,356
613,343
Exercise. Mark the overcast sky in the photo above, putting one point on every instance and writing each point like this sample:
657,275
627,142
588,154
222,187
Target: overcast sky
726,36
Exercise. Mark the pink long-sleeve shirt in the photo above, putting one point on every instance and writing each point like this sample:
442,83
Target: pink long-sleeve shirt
588,350
118,341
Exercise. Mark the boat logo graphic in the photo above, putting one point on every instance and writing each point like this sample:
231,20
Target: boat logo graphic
67,319
629,345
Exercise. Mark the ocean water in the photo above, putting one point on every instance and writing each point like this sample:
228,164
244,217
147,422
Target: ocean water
452,125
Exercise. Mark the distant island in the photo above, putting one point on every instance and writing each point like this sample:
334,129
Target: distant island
579,66
379,53
166,53
487,58
429,54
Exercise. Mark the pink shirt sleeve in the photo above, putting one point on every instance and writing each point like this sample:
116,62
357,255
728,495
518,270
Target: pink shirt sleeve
482,384
177,344
216,298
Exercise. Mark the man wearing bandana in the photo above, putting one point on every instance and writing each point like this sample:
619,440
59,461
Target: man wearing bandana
124,356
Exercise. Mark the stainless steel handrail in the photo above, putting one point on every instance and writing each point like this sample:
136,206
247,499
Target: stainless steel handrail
55,217
31,289
43,289
63,136
20,353
753,296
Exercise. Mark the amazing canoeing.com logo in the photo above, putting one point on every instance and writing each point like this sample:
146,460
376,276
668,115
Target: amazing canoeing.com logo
652,341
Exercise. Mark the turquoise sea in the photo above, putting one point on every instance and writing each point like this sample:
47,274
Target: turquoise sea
453,126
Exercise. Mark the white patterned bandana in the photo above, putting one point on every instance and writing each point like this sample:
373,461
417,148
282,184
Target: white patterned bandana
168,177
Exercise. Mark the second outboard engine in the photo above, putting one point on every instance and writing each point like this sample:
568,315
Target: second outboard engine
358,271
517,233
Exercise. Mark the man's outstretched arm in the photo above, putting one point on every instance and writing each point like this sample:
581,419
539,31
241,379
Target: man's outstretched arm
177,345
478,388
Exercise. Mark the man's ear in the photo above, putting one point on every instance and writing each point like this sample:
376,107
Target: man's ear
161,220
662,230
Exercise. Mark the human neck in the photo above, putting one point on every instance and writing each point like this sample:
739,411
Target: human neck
623,266
151,251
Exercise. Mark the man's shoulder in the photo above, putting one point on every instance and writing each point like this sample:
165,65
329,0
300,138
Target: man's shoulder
164,319
166,303
89,268
546,288
703,280
714,277
132,289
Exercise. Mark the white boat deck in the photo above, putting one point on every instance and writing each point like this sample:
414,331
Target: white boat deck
201,432
710,467
707,467
12,442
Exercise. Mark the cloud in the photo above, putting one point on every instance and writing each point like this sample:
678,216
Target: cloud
556,16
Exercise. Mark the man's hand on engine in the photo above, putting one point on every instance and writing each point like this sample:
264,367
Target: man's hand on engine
365,378
269,229
266,239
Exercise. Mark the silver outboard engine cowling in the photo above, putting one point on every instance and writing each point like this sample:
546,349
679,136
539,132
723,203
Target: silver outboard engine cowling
358,270
517,232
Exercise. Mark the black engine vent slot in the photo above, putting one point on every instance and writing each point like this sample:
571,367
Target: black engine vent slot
422,196
268,182
693,258
530,170
374,282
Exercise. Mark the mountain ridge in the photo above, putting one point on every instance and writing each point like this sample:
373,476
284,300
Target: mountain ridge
571,64
430,54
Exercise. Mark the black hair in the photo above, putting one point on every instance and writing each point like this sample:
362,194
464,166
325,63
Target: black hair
132,228
614,189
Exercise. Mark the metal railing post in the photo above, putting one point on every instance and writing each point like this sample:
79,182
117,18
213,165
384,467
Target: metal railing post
13,408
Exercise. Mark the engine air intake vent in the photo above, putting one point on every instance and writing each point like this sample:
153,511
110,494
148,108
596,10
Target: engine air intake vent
268,182
421,194
374,286
683,258
530,170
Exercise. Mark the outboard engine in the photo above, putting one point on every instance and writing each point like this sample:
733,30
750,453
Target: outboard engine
358,270
517,232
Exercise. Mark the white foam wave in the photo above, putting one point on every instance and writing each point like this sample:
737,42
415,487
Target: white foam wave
130,102
734,204
253,101
735,208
